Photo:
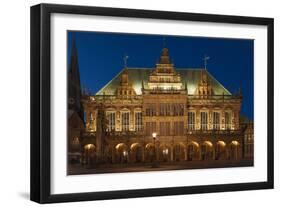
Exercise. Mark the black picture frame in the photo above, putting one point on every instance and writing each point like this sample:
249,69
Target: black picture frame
40,102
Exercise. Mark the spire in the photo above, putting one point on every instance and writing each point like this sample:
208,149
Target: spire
74,67
74,85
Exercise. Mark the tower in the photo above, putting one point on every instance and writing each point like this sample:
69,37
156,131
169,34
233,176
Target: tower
74,85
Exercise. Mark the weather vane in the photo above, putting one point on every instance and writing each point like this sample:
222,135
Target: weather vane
125,60
206,58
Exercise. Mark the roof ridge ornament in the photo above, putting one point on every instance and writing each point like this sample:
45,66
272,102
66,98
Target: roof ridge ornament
125,58
206,58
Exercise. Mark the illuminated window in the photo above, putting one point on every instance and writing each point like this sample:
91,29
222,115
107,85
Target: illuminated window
75,141
216,120
125,121
91,120
204,120
111,121
191,120
138,121
227,120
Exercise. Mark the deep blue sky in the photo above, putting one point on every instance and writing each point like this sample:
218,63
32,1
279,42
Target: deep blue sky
100,57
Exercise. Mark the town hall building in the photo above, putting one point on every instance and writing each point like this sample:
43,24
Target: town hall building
160,114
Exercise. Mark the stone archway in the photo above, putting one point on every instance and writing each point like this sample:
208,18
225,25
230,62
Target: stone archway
179,152
207,150
193,151
149,152
89,154
121,153
234,150
136,153
164,153
220,151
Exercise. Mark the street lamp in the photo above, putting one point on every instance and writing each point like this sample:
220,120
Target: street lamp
154,134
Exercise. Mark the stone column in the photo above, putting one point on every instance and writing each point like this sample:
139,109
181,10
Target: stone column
172,153
185,154
143,154
132,119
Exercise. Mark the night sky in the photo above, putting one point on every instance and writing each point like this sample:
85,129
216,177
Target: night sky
101,57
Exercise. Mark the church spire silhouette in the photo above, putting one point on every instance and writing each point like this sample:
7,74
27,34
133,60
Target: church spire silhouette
74,84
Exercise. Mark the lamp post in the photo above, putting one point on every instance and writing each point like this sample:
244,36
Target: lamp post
154,164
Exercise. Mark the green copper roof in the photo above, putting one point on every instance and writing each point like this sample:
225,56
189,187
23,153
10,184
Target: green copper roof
189,76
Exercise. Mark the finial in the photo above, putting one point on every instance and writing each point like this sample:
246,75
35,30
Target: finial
206,58
125,60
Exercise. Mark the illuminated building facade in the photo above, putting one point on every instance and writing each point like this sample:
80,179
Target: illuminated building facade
162,114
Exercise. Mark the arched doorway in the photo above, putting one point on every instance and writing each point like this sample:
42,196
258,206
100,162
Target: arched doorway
179,152
234,150
207,151
164,153
89,154
149,152
193,151
108,154
221,152
136,153
121,153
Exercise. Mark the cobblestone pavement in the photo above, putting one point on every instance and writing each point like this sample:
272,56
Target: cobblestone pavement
141,167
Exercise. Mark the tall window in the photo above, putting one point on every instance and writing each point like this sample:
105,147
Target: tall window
138,121
111,121
216,120
191,120
178,128
227,120
165,109
204,120
181,109
150,127
125,121
162,109
178,109
91,116
150,110
164,128
91,120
